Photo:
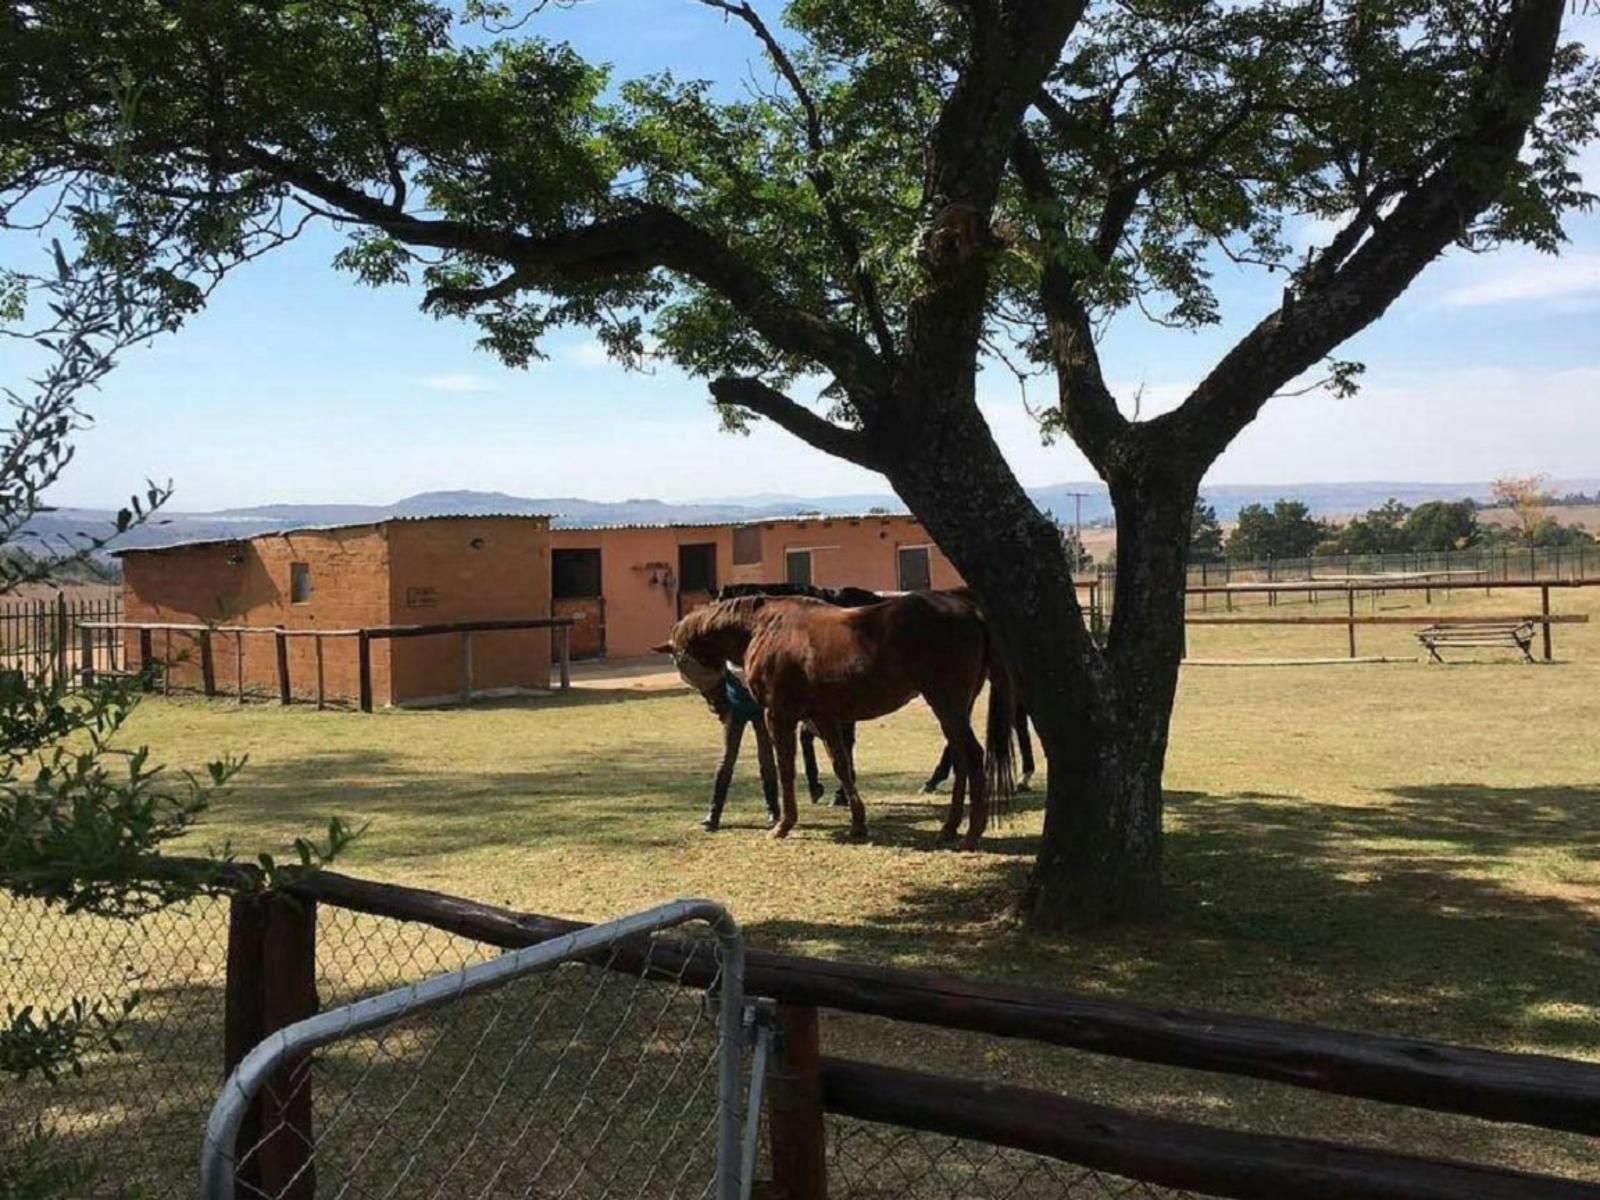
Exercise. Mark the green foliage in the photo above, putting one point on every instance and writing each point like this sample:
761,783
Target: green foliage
1205,533
48,1041
1286,530
1382,530
1240,118
1443,525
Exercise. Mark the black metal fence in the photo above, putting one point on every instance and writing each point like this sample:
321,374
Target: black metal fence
41,636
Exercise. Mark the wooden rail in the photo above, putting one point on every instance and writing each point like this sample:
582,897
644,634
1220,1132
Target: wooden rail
1553,1093
364,637
1175,1154
1534,1090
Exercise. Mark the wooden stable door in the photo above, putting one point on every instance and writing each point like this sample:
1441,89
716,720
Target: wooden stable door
697,575
575,588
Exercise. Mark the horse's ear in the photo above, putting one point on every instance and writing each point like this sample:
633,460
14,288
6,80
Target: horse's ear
663,648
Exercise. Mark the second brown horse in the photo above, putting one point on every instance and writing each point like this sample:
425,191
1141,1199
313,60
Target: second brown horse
808,660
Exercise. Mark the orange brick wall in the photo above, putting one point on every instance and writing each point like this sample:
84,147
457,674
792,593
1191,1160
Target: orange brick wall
247,583
640,613
470,569
847,551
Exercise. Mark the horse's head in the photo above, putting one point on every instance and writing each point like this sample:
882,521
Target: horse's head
705,641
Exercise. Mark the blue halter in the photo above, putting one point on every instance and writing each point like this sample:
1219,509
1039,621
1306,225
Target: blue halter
740,700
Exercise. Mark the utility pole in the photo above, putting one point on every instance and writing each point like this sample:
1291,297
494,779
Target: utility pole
1077,527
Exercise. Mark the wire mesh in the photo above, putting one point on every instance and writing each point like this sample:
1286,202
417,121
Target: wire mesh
867,1161
589,1078
134,1113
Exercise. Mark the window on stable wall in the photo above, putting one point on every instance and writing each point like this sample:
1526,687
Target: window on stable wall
747,546
797,567
916,569
299,583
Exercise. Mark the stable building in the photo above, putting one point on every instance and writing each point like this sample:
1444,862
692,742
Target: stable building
625,586
401,571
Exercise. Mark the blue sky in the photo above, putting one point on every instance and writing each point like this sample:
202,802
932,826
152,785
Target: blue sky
298,385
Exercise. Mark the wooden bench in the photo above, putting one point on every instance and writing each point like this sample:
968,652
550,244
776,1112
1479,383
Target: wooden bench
1517,634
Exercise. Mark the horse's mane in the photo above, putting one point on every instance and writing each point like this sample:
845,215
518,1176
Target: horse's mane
841,597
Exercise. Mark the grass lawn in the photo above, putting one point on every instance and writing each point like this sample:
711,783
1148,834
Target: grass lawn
1402,848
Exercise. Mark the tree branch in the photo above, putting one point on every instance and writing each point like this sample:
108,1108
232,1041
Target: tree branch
1425,220
822,181
755,396
642,238
1087,407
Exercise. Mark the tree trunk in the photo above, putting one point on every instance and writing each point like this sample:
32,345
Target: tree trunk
1101,716
1100,857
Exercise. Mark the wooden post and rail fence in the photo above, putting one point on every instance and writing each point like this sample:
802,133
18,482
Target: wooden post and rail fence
1543,619
272,973
364,636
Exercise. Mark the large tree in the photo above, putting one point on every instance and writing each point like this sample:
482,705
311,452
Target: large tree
925,184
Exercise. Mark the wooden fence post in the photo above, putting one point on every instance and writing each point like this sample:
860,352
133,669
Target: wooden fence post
282,641
322,691
1350,612
564,646
208,665
238,665
146,654
242,1028
466,667
795,1125
288,994
86,651
364,669
1544,607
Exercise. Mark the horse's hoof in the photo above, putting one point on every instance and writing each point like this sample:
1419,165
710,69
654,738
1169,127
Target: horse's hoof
930,788
1026,785
779,831
858,833
840,800
710,826
946,836
971,844
817,794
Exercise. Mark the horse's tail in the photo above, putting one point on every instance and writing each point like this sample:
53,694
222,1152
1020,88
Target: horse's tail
999,767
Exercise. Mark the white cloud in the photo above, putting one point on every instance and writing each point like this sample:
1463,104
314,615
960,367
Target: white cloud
457,381
589,354
1568,278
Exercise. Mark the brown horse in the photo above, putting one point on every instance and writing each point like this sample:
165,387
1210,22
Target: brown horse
808,660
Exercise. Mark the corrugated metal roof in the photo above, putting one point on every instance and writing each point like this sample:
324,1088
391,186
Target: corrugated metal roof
807,519
293,529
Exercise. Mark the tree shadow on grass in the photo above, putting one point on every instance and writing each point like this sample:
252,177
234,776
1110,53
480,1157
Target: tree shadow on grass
1438,916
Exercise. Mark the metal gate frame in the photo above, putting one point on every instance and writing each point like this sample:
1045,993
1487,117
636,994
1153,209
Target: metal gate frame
217,1160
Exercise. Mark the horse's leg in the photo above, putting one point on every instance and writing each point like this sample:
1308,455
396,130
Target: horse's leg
841,798
732,736
808,752
769,772
784,734
955,720
958,799
1026,744
835,737
940,772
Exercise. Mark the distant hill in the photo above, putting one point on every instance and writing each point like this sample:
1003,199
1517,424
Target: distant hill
1324,499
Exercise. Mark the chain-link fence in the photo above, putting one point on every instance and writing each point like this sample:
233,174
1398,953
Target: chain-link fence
586,1066
135,1111
868,1161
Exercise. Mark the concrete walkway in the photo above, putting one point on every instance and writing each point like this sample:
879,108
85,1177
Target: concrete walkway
650,673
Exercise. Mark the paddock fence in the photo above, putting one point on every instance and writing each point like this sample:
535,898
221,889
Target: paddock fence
186,656
222,974
40,637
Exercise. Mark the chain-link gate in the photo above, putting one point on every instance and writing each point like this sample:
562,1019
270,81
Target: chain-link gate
589,1065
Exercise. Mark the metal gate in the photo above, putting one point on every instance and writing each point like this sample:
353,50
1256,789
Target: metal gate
604,1063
